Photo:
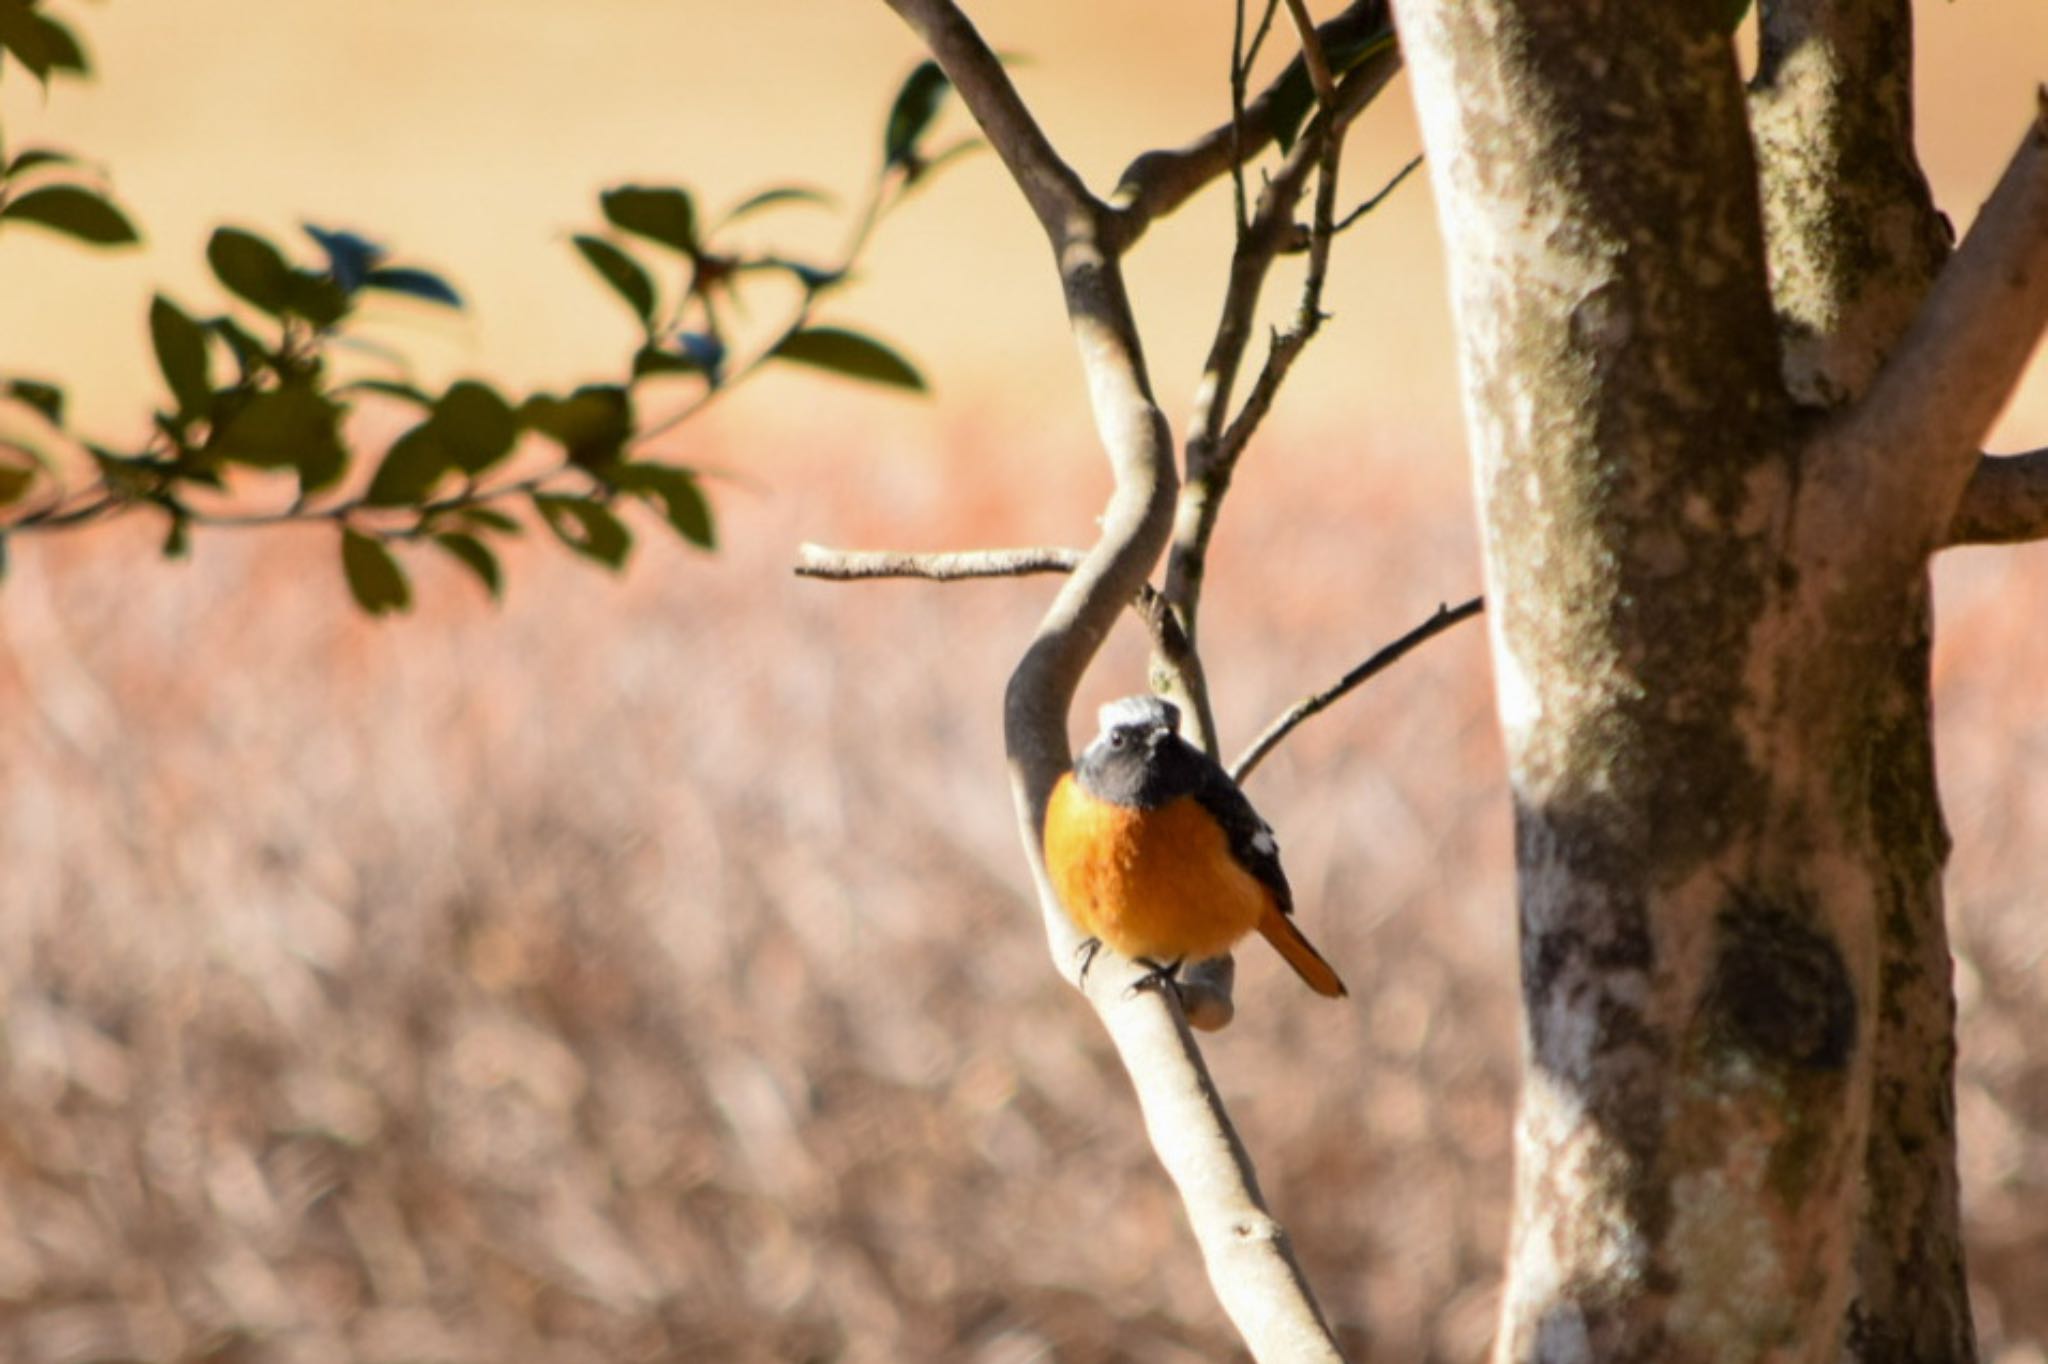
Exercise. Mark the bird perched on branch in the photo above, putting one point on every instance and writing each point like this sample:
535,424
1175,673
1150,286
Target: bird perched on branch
1156,852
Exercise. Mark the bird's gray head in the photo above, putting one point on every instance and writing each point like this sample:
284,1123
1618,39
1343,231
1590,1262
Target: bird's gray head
1138,758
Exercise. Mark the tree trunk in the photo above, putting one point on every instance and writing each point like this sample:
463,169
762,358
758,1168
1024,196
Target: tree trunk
1716,717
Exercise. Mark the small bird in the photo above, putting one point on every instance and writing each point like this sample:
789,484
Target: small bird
1156,852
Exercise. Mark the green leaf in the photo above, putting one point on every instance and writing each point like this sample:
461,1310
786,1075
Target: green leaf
251,268
411,467
917,103
682,501
665,214
771,198
851,354
294,427
374,578
622,272
41,43
250,354
592,423
586,526
13,483
475,424
404,279
489,516
29,158
48,399
315,296
75,212
181,354
476,556
654,360
391,388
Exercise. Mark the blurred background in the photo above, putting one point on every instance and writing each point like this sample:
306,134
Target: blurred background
643,969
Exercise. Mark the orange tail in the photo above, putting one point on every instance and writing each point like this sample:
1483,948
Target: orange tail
1279,930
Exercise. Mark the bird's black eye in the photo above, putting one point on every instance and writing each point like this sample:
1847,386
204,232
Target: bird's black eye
1116,738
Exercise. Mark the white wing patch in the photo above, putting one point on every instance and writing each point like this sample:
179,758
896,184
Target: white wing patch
1264,844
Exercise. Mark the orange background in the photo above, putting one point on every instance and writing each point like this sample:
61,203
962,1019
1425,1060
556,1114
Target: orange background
643,969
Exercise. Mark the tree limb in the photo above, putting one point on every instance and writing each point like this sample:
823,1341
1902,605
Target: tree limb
1379,662
1250,1266
1890,475
1158,182
2004,503
848,565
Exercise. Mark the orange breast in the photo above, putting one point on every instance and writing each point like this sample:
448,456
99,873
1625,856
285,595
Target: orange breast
1158,883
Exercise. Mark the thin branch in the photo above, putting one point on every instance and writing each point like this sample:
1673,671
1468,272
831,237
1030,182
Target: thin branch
1890,474
1158,182
1270,737
1210,460
849,565
2005,501
1254,1274
1302,237
1319,77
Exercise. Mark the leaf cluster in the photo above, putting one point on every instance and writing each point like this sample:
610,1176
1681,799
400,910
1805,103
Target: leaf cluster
259,390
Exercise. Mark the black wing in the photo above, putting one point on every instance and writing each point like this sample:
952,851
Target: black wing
1251,838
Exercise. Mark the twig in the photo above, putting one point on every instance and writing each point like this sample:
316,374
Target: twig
2005,501
1160,181
1319,77
1444,619
1889,475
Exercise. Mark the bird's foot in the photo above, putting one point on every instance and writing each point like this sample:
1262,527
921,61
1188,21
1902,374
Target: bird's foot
1158,976
1086,953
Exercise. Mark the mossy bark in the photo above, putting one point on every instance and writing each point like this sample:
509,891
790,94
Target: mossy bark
1728,843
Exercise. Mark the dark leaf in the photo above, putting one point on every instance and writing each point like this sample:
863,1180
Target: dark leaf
32,157
316,297
402,279
294,427
181,354
475,555
676,490
770,198
391,388
622,272
75,212
250,268
374,578
178,536
489,516
61,46
27,35
250,353
47,399
665,215
917,103
14,481
475,424
587,527
654,360
813,278
592,423
851,354
350,258
412,466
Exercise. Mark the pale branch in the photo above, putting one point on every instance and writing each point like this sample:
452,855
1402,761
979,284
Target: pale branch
2005,501
1890,472
1319,77
848,565
1250,1266
1285,724
1302,236
1158,182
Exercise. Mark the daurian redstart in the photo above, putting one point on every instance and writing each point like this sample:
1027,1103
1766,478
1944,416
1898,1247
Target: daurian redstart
1156,852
